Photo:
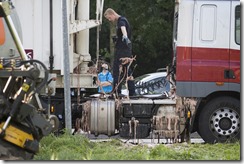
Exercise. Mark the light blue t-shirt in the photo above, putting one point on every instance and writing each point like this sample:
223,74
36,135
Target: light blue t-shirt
105,77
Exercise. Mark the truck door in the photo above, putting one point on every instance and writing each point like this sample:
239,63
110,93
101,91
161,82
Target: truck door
234,72
210,46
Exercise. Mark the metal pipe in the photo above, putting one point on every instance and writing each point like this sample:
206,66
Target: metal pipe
16,37
66,63
51,57
97,53
101,11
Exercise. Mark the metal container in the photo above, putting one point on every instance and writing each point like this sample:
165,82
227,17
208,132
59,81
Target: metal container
102,117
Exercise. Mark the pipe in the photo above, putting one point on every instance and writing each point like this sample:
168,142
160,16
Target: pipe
51,57
16,37
67,99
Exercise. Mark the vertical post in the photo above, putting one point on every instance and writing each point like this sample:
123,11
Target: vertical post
51,57
67,96
97,53
98,29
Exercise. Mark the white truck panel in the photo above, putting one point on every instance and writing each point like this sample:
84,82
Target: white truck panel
203,30
35,21
211,21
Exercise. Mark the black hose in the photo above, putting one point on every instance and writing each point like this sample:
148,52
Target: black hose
44,81
51,57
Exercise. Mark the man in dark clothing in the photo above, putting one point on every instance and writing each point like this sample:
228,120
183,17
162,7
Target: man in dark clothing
123,49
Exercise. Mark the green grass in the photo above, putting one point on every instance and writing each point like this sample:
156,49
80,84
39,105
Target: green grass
78,147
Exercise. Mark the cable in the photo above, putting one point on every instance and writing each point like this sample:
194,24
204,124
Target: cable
44,81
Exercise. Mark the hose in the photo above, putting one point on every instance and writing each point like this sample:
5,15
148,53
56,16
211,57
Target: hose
44,81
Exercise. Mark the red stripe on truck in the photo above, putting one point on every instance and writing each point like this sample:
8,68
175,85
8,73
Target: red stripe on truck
207,64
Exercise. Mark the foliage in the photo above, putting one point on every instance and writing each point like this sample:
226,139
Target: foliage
79,147
64,147
152,25
226,151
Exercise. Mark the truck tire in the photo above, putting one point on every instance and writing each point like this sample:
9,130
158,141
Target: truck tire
219,121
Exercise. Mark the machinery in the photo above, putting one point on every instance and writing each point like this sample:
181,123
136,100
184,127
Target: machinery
204,77
23,120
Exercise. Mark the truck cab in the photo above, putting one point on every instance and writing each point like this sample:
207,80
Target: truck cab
207,60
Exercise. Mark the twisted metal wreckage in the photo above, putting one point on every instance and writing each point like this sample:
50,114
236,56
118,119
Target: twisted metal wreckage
166,122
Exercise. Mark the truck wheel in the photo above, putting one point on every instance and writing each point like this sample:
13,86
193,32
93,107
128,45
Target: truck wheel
219,120
54,121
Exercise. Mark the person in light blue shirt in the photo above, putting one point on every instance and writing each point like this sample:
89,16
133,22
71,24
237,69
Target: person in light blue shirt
105,80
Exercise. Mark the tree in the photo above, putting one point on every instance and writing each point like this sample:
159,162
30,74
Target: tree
152,29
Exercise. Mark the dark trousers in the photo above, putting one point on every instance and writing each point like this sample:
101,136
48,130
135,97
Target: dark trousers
120,77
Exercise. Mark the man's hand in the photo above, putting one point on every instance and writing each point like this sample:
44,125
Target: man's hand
126,40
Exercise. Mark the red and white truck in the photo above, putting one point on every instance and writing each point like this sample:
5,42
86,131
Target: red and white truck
207,64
